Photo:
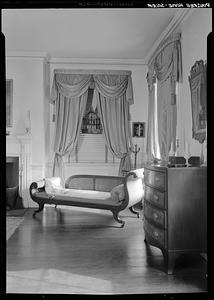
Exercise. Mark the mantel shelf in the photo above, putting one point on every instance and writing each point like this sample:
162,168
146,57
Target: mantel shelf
19,137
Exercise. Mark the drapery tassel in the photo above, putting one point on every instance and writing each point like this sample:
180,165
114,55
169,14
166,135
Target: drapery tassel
129,91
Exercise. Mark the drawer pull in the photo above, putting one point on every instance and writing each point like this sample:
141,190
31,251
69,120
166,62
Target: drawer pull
155,234
155,216
156,198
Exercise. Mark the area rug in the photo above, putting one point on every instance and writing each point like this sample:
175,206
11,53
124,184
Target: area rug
12,224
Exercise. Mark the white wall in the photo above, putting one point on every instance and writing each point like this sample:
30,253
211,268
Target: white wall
28,95
194,47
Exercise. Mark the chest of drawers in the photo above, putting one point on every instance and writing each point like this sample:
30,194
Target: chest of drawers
175,210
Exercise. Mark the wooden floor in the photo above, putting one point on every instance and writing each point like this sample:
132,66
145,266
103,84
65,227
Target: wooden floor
84,251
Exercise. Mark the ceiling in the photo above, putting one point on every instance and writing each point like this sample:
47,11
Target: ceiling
127,33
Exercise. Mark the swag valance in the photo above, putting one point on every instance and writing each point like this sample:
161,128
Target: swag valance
166,61
110,84
69,85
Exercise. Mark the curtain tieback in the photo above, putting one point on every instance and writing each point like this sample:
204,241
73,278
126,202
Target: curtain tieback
59,154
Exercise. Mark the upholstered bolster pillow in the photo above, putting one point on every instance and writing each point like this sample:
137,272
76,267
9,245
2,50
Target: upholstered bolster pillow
117,193
51,184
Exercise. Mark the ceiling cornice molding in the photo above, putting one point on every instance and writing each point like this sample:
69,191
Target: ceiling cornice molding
27,55
69,60
177,20
100,61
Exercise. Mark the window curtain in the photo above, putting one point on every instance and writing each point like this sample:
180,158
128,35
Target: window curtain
166,65
114,94
151,146
69,93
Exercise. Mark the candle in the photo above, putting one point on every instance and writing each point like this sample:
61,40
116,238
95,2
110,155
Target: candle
28,123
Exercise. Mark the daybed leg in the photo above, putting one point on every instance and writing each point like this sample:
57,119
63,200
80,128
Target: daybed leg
134,211
41,206
117,218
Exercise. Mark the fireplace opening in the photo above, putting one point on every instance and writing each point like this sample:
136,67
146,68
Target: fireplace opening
12,183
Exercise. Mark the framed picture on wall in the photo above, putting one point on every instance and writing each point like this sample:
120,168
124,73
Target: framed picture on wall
138,129
9,103
198,90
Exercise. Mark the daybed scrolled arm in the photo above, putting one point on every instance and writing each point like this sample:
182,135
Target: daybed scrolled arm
35,187
137,173
133,187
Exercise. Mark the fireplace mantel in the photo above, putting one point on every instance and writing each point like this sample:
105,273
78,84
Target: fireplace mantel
18,137
20,145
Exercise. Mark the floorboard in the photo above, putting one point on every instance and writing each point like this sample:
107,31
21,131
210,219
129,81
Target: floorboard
84,251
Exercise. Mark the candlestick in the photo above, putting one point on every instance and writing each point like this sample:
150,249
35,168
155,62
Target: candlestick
135,155
177,147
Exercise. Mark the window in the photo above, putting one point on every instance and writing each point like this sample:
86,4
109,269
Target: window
91,146
156,146
156,149
91,123
165,67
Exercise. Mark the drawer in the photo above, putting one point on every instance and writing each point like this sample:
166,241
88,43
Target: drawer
155,178
156,234
155,215
155,197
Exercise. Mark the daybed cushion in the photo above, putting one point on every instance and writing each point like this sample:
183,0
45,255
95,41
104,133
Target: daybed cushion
117,193
73,197
53,184
55,191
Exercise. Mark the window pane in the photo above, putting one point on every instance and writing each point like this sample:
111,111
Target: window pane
91,148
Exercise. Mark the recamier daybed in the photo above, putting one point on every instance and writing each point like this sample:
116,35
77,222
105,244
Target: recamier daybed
112,193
